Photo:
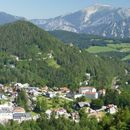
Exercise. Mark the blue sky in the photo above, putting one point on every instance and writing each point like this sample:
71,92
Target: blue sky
52,8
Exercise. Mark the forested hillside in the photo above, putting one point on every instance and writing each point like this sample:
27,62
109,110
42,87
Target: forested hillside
29,54
85,40
80,40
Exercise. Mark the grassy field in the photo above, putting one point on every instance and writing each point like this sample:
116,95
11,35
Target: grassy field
123,48
100,49
52,63
54,102
126,57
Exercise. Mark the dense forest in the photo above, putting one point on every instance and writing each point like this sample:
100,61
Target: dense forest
29,54
84,41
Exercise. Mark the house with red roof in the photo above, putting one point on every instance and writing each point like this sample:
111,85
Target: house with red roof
89,92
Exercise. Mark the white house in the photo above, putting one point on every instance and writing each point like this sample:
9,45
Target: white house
48,113
51,94
6,112
89,92
5,115
83,90
111,108
2,96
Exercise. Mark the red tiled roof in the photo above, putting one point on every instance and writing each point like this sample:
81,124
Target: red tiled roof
89,87
91,93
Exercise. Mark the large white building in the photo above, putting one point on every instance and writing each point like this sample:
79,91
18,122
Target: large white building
89,92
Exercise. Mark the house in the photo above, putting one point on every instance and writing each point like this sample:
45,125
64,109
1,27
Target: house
48,113
6,112
1,86
26,85
70,95
80,105
75,116
22,117
18,86
44,89
8,105
8,90
77,96
5,115
51,94
111,108
89,92
88,75
34,92
83,90
91,95
64,90
2,97
61,112
73,95
102,92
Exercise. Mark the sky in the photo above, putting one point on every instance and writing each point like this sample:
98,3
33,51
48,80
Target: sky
51,8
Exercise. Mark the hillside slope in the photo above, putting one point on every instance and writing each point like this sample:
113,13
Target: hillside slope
29,54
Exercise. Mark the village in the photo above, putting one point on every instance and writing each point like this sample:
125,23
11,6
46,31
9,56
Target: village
56,101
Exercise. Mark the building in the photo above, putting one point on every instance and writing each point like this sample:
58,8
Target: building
111,108
102,92
65,90
6,112
83,90
51,94
80,105
48,113
91,95
1,86
22,117
75,116
2,97
60,112
89,92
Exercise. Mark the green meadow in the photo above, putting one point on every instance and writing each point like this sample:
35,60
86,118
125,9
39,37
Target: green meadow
123,48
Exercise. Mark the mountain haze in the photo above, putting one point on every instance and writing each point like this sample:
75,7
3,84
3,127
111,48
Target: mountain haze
8,18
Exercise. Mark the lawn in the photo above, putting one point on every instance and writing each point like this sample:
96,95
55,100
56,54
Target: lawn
99,49
126,57
52,63
123,47
54,102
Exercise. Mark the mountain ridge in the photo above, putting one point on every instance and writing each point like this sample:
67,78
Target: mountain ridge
100,20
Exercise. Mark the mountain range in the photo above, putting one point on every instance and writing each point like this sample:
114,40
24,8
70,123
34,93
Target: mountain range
102,20
8,18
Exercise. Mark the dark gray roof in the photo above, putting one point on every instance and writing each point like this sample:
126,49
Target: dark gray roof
20,115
